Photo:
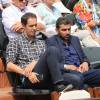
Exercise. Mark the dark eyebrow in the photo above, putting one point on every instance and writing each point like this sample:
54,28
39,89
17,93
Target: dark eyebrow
66,29
33,25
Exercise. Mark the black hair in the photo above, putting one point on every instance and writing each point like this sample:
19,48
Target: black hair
71,18
26,16
62,20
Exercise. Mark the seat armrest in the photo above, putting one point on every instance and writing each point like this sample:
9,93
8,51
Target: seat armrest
95,64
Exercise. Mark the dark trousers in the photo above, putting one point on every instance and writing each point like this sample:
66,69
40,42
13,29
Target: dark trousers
48,67
79,80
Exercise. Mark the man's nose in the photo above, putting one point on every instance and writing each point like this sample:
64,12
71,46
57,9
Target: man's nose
24,1
34,27
67,31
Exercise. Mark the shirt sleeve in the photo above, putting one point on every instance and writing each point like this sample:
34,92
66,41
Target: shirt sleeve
8,19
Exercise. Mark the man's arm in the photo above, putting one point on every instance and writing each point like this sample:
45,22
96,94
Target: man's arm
52,42
70,67
23,71
29,68
11,59
83,67
17,27
8,18
1,7
15,68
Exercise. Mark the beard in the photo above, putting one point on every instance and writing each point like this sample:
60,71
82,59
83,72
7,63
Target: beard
66,39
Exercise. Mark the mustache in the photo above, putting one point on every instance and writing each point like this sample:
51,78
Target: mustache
67,38
68,35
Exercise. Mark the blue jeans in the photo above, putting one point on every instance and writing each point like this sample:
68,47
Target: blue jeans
91,78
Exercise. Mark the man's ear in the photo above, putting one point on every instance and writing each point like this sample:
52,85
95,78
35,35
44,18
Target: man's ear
23,25
56,30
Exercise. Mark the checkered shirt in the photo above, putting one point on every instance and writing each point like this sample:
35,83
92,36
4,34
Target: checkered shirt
21,51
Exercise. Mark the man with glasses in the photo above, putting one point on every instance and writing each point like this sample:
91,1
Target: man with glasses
12,16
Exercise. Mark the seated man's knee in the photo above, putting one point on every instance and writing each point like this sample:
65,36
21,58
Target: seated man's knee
78,82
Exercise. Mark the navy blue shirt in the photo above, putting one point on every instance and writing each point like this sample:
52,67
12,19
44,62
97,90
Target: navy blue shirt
70,55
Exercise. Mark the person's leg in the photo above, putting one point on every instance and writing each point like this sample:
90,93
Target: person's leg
48,66
74,78
92,77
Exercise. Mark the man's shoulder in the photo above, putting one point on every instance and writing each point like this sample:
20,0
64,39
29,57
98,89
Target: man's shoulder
16,39
8,9
40,41
52,41
74,37
53,38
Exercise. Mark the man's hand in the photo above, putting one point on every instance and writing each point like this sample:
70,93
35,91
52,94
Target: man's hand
83,67
29,68
17,27
32,77
91,24
40,27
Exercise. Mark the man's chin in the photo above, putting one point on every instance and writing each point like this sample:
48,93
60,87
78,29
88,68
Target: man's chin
67,38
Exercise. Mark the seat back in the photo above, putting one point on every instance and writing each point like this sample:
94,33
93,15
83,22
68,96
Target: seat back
3,39
93,54
14,79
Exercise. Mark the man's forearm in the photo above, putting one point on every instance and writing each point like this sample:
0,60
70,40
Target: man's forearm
70,67
14,68
32,64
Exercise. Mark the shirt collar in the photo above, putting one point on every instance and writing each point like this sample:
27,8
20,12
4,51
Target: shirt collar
62,41
15,7
30,41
